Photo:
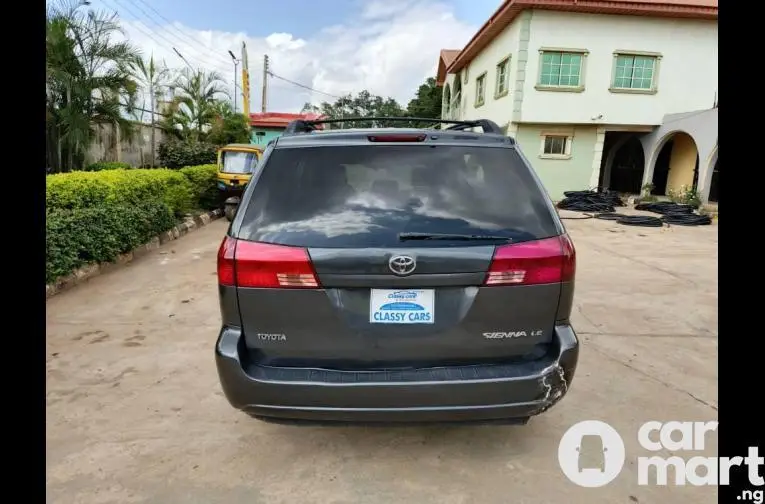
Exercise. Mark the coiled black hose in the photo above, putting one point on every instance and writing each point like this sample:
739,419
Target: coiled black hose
665,207
610,216
684,219
590,201
640,220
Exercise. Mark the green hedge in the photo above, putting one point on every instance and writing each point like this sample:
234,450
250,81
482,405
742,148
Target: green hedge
203,181
176,154
107,165
81,236
88,189
94,216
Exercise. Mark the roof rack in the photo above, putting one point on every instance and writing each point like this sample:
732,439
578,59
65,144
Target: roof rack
303,126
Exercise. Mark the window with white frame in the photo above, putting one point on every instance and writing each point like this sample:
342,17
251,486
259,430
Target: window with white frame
480,89
556,145
503,78
635,72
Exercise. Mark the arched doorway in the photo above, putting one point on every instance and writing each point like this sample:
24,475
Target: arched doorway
676,165
715,183
456,107
447,100
627,167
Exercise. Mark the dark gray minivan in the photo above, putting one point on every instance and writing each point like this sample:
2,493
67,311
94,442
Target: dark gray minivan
396,275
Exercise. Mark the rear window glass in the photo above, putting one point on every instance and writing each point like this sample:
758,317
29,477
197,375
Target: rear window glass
364,196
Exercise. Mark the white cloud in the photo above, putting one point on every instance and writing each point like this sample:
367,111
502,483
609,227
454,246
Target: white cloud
389,49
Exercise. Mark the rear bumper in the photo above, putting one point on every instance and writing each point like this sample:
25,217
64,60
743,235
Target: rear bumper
463,393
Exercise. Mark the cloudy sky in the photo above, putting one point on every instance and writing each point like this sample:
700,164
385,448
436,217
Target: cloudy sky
332,46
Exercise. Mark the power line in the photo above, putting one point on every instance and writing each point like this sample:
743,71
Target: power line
302,85
170,26
198,59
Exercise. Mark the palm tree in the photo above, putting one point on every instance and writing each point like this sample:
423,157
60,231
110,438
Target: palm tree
194,108
87,80
154,80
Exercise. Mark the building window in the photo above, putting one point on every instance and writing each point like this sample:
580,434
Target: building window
503,78
635,72
561,69
556,145
480,89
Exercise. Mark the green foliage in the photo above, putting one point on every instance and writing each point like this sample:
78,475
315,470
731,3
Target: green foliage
427,101
87,80
99,234
177,154
363,104
203,182
107,165
686,195
229,128
195,105
129,187
95,216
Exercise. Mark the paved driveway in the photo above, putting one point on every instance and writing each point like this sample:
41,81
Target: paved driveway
135,413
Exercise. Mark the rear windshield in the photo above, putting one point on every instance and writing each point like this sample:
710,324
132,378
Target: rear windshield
364,196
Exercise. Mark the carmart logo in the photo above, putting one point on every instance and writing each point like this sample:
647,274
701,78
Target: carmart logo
592,454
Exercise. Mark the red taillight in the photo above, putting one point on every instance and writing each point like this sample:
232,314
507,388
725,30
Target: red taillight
262,265
536,262
397,138
226,268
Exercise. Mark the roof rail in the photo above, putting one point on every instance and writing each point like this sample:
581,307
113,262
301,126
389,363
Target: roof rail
303,126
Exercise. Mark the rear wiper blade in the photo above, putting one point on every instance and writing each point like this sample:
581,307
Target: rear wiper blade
451,236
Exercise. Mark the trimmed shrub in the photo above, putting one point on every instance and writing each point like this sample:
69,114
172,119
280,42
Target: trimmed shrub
99,234
175,154
203,182
107,165
69,191
93,217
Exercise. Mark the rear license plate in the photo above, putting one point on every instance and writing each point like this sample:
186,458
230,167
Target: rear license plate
405,306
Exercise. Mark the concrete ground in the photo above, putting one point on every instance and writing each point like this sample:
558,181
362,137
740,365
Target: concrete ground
135,412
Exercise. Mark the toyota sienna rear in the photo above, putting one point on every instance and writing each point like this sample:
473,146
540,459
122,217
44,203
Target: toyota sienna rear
396,275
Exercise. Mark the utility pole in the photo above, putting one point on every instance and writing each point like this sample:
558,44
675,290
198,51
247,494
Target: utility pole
236,76
265,84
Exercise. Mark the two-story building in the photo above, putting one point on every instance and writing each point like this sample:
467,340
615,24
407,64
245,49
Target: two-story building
598,93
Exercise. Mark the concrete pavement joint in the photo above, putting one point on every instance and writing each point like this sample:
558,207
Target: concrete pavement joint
92,270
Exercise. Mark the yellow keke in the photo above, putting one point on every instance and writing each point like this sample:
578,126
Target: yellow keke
236,163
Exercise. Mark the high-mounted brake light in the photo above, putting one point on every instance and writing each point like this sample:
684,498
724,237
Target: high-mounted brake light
397,138
263,265
550,260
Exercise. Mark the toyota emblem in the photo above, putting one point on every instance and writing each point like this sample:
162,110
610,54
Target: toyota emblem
402,264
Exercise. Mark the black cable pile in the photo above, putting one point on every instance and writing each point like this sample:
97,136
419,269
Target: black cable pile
590,201
609,216
665,208
686,219
640,220
678,214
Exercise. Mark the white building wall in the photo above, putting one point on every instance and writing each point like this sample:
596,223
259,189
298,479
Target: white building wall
498,110
687,70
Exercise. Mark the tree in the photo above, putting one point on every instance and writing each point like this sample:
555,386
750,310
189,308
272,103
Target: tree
427,101
228,127
88,81
153,79
364,104
193,109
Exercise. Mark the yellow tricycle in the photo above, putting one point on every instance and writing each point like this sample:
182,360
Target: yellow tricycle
236,164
